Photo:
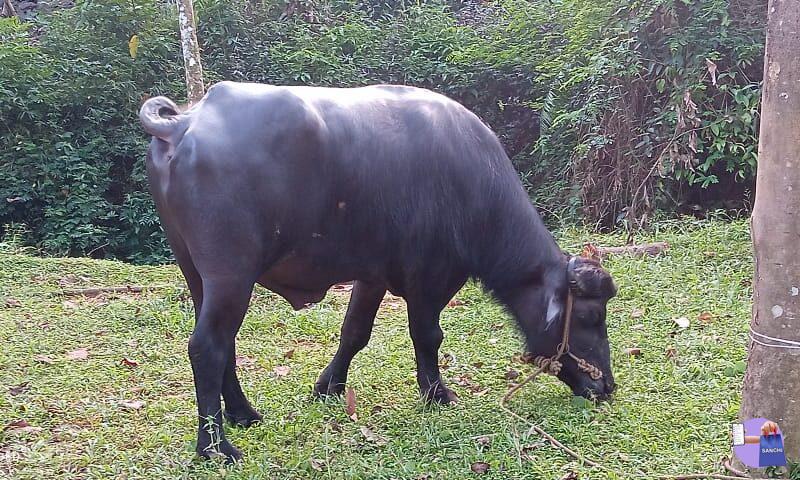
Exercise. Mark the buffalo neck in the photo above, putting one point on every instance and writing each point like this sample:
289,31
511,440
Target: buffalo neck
525,270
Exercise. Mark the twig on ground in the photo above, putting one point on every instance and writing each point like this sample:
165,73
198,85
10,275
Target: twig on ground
586,461
641,250
95,291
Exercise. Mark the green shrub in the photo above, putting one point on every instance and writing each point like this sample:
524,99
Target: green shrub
71,157
609,109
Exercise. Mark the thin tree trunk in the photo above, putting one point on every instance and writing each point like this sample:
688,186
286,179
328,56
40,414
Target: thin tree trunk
191,51
8,9
772,381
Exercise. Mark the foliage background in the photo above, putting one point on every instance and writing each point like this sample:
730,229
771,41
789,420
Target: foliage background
612,111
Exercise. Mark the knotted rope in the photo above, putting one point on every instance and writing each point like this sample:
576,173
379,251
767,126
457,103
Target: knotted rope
552,366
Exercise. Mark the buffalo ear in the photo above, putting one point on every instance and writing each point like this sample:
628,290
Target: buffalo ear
588,279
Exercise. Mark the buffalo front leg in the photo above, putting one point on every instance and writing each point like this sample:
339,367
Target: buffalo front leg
356,330
211,347
427,336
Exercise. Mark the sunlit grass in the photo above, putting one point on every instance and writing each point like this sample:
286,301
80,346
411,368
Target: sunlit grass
669,415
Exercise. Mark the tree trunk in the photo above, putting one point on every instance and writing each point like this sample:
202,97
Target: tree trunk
772,382
191,51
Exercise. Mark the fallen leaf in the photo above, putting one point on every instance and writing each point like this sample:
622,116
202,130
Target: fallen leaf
18,389
705,317
466,381
526,452
373,437
43,359
682,322
350,403
22,426
244,362
591,251
477,364
455,303
446,360
133,343
288,353
633,352
481,393
12,302
128,362
133,404
492,341
479,467
79,354
282,370
484,440
67,280
637,313
710,254
498,326
17,424
335,426
317,464
511,374
69,305
671,352
570,475
638,326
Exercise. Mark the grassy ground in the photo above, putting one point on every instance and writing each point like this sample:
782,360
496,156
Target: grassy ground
98,418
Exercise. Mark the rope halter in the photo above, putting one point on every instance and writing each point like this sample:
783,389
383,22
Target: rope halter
552,365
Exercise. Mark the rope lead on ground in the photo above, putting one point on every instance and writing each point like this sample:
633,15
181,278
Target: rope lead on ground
552,365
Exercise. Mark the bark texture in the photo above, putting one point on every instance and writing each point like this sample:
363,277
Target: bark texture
191,51
772,381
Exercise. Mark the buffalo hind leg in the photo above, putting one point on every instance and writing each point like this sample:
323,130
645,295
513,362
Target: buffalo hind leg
427,336
211,347
356,330
238,410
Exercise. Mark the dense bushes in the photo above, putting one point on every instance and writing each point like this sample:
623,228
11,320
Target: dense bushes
71,153
609,108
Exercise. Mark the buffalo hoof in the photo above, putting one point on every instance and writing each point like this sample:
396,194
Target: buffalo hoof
225,450
440,394
327,387
246,417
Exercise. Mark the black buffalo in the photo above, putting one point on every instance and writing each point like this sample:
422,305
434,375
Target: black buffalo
396,188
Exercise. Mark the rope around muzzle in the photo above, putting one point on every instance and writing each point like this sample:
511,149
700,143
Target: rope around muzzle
552,365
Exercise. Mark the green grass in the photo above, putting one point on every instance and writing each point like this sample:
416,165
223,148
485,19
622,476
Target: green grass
668,415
